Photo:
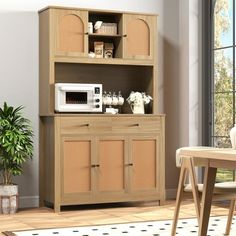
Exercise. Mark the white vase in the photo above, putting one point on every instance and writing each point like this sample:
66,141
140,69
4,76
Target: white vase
232,135
138,108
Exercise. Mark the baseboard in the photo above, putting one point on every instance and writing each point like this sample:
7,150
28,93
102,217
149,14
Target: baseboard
33,201
171,193
28,201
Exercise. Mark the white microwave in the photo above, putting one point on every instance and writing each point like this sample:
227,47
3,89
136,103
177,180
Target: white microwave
77,97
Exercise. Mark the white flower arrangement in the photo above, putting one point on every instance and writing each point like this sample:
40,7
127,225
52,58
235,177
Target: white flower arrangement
136,98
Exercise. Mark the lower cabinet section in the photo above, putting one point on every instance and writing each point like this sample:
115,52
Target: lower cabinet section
83,167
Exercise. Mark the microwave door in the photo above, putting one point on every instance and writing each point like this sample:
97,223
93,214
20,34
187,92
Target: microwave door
78,100
76,97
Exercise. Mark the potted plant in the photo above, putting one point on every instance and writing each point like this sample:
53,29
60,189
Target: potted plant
16,146
137,100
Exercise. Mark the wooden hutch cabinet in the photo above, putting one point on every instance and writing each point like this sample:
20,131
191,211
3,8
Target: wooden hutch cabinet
90,158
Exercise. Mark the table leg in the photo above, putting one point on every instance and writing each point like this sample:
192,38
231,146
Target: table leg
194,185
209,182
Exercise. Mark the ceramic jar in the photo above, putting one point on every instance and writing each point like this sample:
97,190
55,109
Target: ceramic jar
138,108
90,27
232,135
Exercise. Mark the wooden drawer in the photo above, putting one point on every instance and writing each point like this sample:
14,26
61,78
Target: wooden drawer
77,125
136,124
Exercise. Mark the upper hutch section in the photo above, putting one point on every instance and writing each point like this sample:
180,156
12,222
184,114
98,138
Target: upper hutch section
116,49
71,32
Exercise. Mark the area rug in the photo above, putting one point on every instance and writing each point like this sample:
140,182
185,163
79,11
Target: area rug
150,228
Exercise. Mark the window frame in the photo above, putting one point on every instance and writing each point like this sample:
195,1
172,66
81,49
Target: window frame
208,72
207,68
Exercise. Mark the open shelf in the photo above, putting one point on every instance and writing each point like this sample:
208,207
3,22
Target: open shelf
105,35
111,61
114,78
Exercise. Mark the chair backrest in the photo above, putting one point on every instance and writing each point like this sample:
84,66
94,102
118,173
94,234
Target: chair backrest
178,159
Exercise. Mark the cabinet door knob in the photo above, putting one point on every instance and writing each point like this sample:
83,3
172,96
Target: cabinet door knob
125,35
130,164
86,33
95,165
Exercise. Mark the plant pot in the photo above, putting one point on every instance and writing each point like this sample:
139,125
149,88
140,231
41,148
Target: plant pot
8,199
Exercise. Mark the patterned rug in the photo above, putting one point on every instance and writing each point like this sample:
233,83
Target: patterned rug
150,228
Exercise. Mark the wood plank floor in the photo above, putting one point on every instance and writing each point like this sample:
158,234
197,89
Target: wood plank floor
100,214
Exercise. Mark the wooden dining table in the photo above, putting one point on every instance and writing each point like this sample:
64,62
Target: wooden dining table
211,159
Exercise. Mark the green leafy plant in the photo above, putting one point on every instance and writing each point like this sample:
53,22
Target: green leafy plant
16,142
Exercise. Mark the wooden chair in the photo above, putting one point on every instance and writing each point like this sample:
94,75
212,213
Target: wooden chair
224,190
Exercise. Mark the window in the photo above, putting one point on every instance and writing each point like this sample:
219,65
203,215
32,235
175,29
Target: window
219,74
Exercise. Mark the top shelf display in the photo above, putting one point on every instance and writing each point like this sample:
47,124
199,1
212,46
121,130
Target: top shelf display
105,23
125,53
126,35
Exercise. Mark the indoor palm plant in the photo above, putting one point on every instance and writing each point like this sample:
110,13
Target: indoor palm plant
16,146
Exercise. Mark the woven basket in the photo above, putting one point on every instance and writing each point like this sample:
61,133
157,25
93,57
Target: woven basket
107,28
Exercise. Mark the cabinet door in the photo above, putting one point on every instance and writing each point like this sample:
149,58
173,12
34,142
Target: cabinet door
111,159
139,35
143,163
76,158
71,38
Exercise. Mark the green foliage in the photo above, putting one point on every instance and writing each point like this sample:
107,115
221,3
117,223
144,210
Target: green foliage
223,76
221,20
223,83
16,145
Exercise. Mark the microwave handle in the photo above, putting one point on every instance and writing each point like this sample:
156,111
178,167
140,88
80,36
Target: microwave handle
73,88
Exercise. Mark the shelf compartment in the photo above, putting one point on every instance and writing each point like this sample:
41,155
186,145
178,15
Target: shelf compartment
113,78
106,17
115,39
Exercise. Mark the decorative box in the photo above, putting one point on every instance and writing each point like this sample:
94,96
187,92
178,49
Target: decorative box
98,49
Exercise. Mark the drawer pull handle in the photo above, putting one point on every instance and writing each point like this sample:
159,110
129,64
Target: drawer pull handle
93,166
130,164
87,125
135,125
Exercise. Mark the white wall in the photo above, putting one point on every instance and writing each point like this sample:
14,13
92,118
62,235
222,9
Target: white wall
19,80
182,80
19,64
190,72
124,5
